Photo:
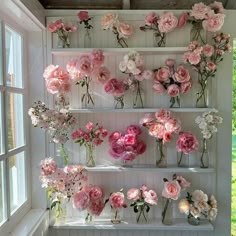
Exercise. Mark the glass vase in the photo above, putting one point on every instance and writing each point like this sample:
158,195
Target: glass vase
116,215
87,38
119,102
167,211
202,94
204,155
159,39
87,99
142,215
59,212
175,102
90,155
161,160
61,102
197,33
192,220
182,159
138,96
89,219
63,40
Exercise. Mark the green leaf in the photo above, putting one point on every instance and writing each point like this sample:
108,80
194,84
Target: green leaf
136,209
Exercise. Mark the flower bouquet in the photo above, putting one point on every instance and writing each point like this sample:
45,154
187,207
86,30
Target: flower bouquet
142,199
173,81
90,137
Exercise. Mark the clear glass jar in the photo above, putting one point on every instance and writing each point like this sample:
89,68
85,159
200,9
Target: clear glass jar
138,96
161,160
87,38
182,159
63,40
119,102
202,100
197,33
116,215
142,215
90,155
167,211
204,154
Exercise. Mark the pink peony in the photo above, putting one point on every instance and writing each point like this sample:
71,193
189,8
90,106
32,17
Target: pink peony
159,88
170,62
117,200
167,22
181,74
83,15
157,130
211,66
200,11
102,74
116,150
95,193
162,115
194,58
162,74
208,50
173,90
52,27
183,182
185,87
96,207
80,200
150,197
171,190
114,136
89,126
125,30
85,65
133,129
186,143
133,194
109,20
53,86
214,22
141,147
183,19
151,18
97,57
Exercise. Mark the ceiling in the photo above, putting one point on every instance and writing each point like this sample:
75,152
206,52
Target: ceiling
134,4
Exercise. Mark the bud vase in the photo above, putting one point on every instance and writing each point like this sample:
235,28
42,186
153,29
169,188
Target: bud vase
142,215
192,220
63,41
90,155
202,95
89,219
119,102
159,39
204,154
116,215
197,33
167,211
61,101
59,212
175,102
87,99
160,154
182,159
87,38
138,96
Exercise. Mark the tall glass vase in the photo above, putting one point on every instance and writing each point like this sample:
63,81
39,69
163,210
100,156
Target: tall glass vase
167,211
87,98
197,33
87,38
204,155
202,94
59,212
63,40
116,215
161,160
138,96
182,159
90,155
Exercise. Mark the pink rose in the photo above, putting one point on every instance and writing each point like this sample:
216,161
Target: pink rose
130,139
150,197
114,136
144,187
125,30
172,125
141,147
95,193
183,182
53,86
200,11
186,143
80,200
133,129
83,15
170,62
102,74
159,88
162,74
183,19
217,7
96,207
173,90
89,126
181,74
109,20
211,66
167,136
85,65
147,74
117,200
97,57
148,118
52,27
167,22
133,194
171,190
214,22
194,58
151,18
208,50
162,115
185,87
157,130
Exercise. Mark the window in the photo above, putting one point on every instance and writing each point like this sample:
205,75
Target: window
13,133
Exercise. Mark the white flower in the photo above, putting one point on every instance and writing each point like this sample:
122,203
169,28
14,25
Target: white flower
203,125
131,65
135,71
199,195
123,66
206,134
126,58
209,118
212,213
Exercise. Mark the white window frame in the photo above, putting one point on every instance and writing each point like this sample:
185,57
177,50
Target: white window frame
12,219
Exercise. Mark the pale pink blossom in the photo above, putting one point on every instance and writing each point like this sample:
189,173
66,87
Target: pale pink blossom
97,57
194,58
150,197
162,74
133,194
167,22
151,18
109,20
83,15
53,86
167,136
125,30
157,130
208,50
214,22
89,126
211,66
102,74
183,19
69,27
173,90
181,74
117,200
96,207
85,65
147,74
48,166
95,193
200,11
185,87
80,200
171,190
148,118
52,27
183,182
170,62
163,115
159,88
128,156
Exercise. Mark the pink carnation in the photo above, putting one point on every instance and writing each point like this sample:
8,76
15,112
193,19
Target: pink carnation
211,66
133,129
194,58
162,115
128,156
167,22
214,22
217,7
150,197
117,200
157,130
167,136
133,194
171,190
148,118
162,74
208,50
116,150
172,125
129,139
151,18
80,200
96,207
181,74
53,86
97,57
83,15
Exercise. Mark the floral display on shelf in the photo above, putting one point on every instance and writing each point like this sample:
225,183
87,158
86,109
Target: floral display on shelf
205,18
133,65
62,29
91,136
61,183
186,143
57,124
142,199
126,146
121,30
172,191
204,60
207,123
173,81
90,198
197,205
162,126
161,25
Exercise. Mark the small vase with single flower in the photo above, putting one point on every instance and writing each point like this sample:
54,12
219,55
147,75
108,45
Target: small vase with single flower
167,211
204,155
161,160
90,155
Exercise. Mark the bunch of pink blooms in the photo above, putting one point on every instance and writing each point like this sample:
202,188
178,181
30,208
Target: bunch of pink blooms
62,29
126,146
121,30
90,198
142,199
204,59
173,81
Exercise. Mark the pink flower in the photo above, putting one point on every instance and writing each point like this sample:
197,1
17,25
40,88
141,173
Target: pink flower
193,45
97,141
162,115
86,137
173,90
214,22
75,135
211,66
104,133
183,19
170,62
83,15
96,207
144,187
130,139
151,18
141,147
109,20
186,143
53,86
97,57
181,74
217,7
150,197
80,200
171,190
167,22
194,58
162,74
186,56
148,118
48,166
85,65
52,27
159,88
185,87
95,193
172,125
133,129
220,52
128,156
114,136
117,200
147,74
59,24
167,136
208,50
102,74
133,194
157,130
69,27
200,11
125,30
116,150
183,182
89,126
52,72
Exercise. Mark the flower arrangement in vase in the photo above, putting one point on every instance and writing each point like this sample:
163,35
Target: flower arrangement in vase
207,123
197,205
162,126
172,191
142,200
204,60
121,30
62,29
92,136
173,81
126,146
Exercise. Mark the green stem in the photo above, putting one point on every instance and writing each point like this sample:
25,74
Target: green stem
165,209
161,153
141,213
138,96
64,154
119,102
204,150
180,159
90,155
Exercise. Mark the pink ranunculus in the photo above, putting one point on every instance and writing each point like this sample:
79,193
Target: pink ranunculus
172,125
109,20
162,74
183,19
194,58
214,22
97,57
151,18
130,139
114,136
117,200
80,200
150,197
167,136
125,30
167,22
147,74
85,65
170,62
211,66
171,190
185,87
53,86
208,50
186,143
148,118
83,15
157,130
133,194
183,182
89,126
159,88
173,90
52,27
133,129
96,207
128,156
141,147
217,7
162,115
181,74
200,11
95,193
102,74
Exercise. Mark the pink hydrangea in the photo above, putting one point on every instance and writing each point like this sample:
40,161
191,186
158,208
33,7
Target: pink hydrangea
133,194
167,22
117,200
171,190
80,200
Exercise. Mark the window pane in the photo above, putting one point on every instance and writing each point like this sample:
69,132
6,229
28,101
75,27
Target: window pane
2,199
15,122
1,125
13,58
17,181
